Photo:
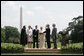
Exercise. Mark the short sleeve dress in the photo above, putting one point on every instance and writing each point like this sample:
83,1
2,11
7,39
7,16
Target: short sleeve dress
29,35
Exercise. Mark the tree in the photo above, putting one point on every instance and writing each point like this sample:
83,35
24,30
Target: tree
11,32
14,40
60,37
2,35
77,29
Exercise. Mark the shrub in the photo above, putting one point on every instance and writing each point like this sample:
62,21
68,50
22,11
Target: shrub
2,35
73,48
14,40
11,48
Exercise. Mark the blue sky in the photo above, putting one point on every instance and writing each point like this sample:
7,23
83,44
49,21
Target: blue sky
40,13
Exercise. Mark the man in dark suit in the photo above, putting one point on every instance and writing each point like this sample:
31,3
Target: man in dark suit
23,39
54,36
35,36
48,36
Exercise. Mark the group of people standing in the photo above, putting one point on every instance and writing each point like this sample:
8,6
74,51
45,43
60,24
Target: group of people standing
38,36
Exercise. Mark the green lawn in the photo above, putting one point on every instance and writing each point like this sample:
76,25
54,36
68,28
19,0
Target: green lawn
41,53
52,45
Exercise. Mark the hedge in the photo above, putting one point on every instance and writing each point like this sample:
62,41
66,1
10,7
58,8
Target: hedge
11,48
73,48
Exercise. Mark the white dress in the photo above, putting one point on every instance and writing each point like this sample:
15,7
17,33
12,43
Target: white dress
42,39
29,35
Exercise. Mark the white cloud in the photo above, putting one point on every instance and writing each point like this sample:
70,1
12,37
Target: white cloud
39,8
29,13
52,17
9,20
11,3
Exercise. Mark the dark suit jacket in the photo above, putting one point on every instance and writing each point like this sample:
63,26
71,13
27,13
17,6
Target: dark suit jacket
47,33
35,33
54,33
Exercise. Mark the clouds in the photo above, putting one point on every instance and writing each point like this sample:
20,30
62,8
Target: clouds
9,4
39,8
29,13
40,13
9,13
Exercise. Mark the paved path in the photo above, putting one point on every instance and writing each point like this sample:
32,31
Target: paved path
39,50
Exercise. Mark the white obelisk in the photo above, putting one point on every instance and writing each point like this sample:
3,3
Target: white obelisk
20,18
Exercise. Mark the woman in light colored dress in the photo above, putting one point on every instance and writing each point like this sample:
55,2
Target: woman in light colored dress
29,36
42,38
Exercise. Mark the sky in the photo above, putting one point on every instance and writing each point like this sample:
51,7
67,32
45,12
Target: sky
40,13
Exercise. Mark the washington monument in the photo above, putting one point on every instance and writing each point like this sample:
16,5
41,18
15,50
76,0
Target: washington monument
20,18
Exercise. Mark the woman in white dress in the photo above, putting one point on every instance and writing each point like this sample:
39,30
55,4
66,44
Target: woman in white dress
42,38
29,36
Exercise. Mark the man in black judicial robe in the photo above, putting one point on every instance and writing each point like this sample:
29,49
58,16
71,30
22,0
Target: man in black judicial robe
23,39
35,37
48,36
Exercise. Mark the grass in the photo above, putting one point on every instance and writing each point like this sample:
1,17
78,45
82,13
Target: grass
52,45
41,53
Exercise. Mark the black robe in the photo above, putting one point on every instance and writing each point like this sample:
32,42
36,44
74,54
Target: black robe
23,39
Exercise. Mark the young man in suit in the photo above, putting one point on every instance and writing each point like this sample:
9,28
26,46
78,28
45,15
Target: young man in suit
35,36
54,36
